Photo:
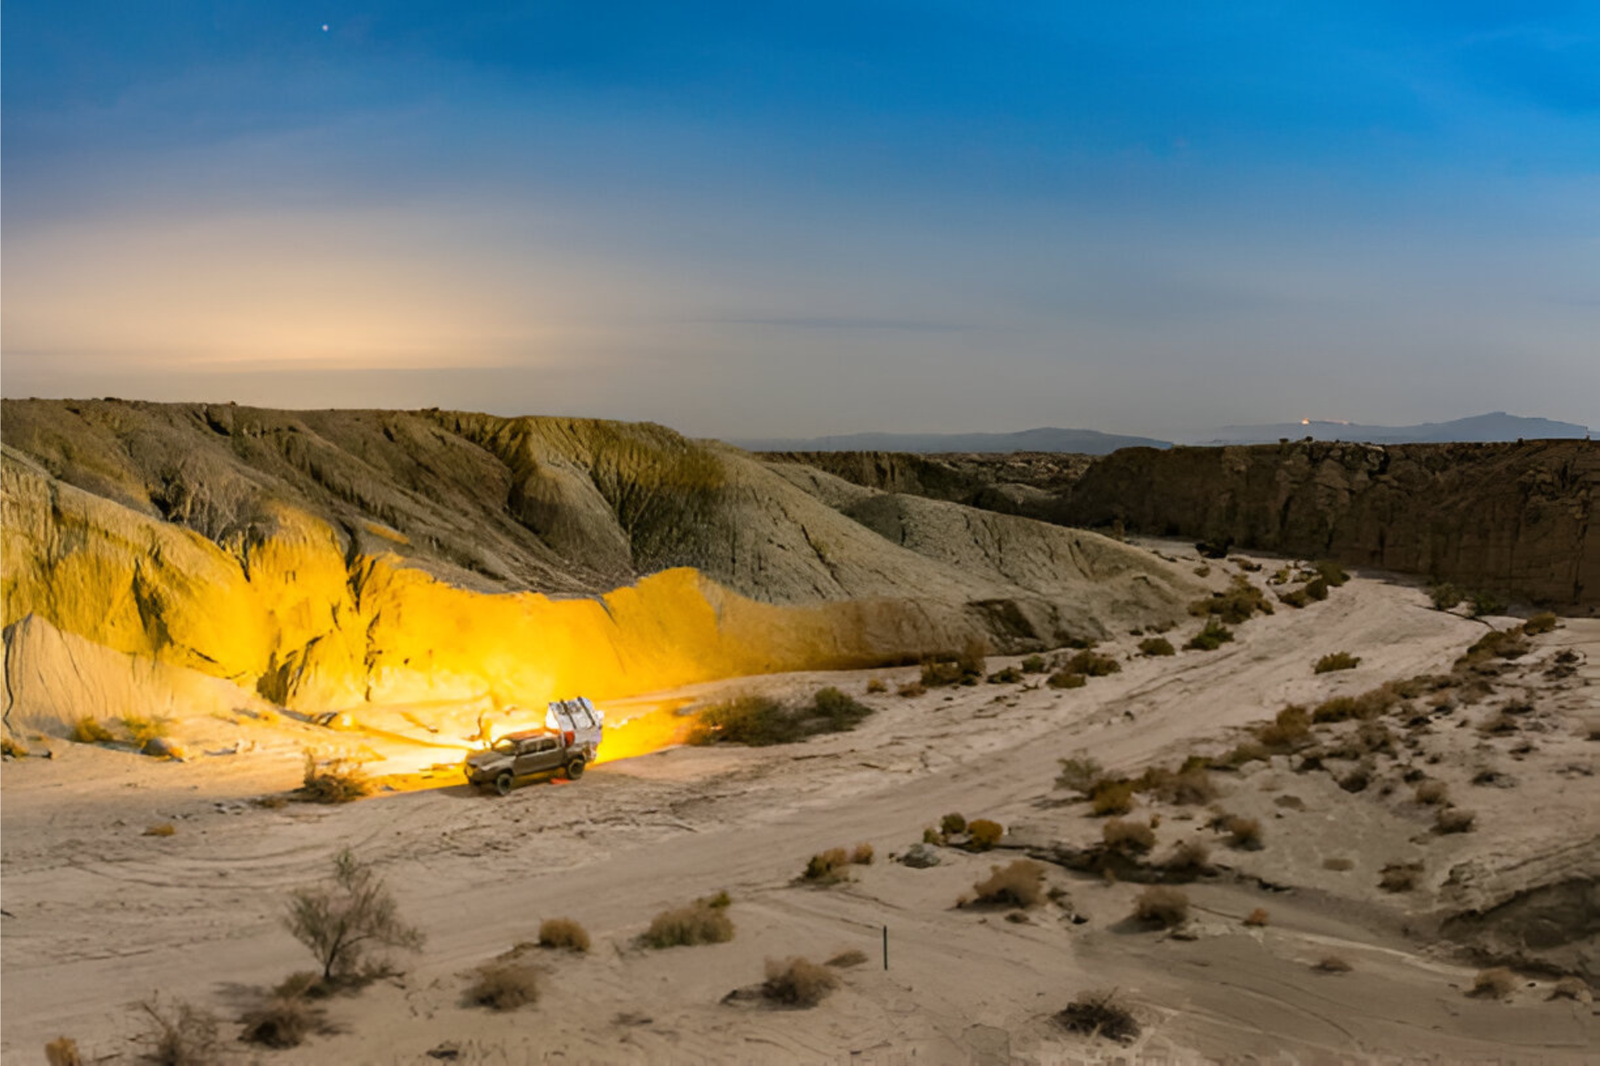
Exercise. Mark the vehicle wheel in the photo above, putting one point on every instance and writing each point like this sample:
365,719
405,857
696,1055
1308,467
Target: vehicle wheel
575,769
502,784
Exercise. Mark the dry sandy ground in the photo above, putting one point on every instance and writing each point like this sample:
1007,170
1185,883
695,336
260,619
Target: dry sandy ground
98,916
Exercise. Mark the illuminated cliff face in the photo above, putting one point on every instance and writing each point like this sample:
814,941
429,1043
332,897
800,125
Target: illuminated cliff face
290,619
366,562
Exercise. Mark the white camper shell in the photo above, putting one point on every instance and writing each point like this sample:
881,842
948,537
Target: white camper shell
579,722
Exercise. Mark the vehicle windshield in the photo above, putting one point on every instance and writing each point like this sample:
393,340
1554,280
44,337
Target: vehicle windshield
505,746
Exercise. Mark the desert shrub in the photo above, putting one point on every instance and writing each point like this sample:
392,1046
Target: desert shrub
336,780
718,902
1543,622
952,824
1575,988
834,712
1331,572
1021,884
143,729
1316,588
1161,905
504,986
563,933
62,1051
1290,728
1339,864
827,867
1008,676
930,835
984,833
912,689
846,959
1111,797
1237,604
1454,820
1091,663
88,730
1296,598
936,673
1370,704
342,920
1445,595
1212,636
798,982
282,1022
1125,836
861,855
1067,679
1484,603
1189,855
1152,646
180,1035
1339,660
1331,964
1497,983
1035,664
1190,785
1432,792
1079,773
1399,876
698,923
971,660
302,984
1242,832
14,749
1374,738
876,686
1099,1014
165,829
760,721
1246,751
1257,918
1506,644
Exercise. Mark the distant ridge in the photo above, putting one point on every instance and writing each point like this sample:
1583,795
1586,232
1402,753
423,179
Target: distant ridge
1496,426
1083,441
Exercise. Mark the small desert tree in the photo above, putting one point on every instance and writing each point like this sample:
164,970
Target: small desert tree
340,921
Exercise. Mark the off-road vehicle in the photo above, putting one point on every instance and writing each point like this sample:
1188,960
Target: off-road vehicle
566,744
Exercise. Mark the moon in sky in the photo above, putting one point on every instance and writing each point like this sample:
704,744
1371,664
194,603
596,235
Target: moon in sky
324,27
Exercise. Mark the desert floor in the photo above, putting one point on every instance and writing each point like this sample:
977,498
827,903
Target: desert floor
98,916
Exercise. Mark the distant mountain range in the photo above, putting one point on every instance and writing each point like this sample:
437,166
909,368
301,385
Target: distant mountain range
1490,427
1497,426
1082,441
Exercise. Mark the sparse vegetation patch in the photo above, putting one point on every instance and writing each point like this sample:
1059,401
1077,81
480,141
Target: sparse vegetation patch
1021,884
1339,660
798,982
1094,1014
760,720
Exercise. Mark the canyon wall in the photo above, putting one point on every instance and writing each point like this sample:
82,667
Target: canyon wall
1512,519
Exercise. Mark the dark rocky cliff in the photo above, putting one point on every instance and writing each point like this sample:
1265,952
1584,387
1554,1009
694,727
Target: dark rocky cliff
1512,518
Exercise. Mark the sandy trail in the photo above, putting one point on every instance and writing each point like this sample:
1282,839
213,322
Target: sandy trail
99,916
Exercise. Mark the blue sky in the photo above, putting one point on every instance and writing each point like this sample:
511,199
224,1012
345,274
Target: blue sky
747,219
